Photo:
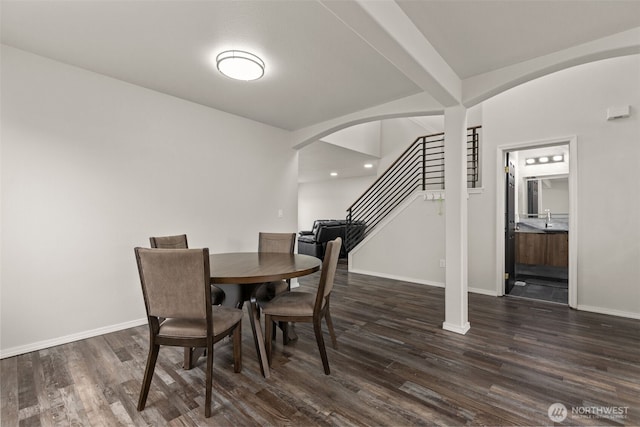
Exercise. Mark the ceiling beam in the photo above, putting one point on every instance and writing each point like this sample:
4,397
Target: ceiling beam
388,30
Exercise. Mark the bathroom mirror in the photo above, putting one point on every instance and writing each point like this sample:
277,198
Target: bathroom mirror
542,193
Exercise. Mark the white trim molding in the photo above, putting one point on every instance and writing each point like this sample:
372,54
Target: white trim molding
481,291
462,330
608,311
419,281
572,142
398,278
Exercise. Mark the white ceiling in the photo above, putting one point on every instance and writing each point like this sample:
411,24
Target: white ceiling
476,37
317,160
318,67
324,59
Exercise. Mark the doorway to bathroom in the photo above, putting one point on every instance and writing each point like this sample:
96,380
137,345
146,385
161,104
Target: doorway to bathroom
537,185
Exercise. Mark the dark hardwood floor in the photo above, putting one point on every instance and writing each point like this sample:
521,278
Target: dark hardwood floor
395,366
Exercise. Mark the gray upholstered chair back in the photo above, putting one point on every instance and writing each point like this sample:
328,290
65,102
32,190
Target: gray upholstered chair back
276,242
175,282
180,242
329,266
169,242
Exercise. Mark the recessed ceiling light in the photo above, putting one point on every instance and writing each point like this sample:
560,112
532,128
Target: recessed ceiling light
240,65
334,174
368,165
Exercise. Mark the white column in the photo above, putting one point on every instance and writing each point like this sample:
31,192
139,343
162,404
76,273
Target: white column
456,246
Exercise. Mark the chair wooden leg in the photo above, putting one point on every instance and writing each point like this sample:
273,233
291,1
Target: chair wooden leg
334,340
188,358
291,332
317,328
208,386
285,332
148,375
237,348
191,356
268,333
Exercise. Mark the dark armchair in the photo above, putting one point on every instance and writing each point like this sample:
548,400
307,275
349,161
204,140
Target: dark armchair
314,241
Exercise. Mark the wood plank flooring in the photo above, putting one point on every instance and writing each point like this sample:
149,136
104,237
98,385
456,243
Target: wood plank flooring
395,366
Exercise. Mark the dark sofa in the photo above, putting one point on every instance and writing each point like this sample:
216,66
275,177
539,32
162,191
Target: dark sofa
314,241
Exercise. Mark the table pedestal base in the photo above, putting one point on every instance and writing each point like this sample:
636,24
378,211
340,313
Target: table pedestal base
258,335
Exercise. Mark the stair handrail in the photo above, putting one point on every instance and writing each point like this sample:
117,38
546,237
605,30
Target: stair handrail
414,143
400,174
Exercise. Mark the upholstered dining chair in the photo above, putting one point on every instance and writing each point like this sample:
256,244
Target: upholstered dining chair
175,286
180,242
306,307
281,243
275,242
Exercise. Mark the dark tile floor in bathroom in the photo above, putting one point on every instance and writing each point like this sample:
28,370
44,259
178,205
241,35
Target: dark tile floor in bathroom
541,289
542,283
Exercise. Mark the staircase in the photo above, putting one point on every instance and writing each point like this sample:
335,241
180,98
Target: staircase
419,168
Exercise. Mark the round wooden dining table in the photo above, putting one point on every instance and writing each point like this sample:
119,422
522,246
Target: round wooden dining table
249,270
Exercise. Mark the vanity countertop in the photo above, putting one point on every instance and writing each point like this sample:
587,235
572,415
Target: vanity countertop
539,225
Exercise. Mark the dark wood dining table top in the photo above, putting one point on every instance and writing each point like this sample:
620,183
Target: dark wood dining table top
260,267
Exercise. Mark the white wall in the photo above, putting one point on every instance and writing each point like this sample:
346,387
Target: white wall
408,245
574,102
570,102
328,199
396,135
416,232
91,167
363,138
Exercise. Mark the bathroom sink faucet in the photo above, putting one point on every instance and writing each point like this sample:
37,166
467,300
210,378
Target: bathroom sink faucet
547,222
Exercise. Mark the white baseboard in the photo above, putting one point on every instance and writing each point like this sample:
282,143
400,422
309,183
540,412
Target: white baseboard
483,292
396,277
15,351
462,330
419,281
608,311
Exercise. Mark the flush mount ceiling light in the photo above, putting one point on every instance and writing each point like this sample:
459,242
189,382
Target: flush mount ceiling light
368,165
334,174
240,65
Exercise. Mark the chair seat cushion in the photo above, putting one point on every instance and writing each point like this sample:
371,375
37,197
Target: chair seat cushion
291,304
223,318
268,291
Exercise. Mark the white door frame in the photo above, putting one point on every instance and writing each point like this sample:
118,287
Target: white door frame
572,141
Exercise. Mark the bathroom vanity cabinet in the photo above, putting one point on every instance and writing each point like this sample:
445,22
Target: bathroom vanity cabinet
546,248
